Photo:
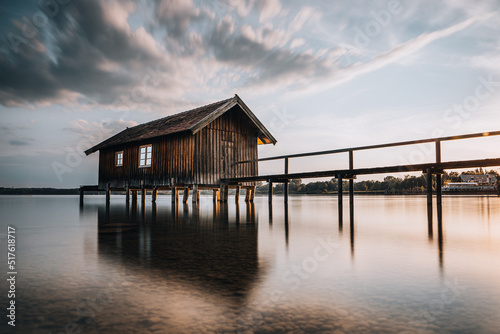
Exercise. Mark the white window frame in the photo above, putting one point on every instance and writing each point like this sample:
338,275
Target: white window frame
144,160
119,161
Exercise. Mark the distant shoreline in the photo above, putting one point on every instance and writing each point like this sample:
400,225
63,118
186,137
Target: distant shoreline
76,191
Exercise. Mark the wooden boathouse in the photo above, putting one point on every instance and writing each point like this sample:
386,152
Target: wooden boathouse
196,149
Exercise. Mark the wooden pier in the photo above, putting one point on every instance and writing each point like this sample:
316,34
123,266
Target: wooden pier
434,168
221,192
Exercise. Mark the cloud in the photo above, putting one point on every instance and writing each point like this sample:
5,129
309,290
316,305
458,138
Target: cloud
16,142
86,50
394,55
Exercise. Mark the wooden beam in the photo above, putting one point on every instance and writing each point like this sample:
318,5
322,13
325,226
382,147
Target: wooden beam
373,170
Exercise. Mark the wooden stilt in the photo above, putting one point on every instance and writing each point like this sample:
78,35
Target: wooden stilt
81,196
285,191
237,195
134,196
429,190
438,189
224,193
185,198
351,198
216,195
175,195
154,194
127,196
143,196
270,192
196,194
340,200
252,193
247,194
108,194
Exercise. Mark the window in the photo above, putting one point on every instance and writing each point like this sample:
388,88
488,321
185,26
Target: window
119,158
145,155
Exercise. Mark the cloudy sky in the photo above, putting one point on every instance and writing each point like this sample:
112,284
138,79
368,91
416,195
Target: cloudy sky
319,74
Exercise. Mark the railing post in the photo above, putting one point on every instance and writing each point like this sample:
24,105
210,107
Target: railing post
285,185
351,186
339,192
270,193
438,175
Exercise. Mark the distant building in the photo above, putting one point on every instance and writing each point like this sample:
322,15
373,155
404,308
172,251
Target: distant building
480,179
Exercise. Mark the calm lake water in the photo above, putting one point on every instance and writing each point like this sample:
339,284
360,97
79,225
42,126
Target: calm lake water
244,269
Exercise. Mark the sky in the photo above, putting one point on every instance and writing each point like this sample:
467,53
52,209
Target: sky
318,74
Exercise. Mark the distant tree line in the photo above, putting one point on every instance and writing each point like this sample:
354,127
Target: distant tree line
38,191
390,184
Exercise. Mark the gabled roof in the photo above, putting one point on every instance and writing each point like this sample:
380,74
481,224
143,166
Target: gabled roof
192,120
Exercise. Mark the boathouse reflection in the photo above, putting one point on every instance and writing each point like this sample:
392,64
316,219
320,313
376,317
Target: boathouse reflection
216,251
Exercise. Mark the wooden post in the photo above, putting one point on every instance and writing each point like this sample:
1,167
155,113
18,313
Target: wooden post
438,175
143,196
224,192
154,194
81,196
185,198
438,189
134,197
247,194
252,193
237,196
285,191
270,193
237,217
127,195
339,193
196,194
175,195
216,195
429,193
285,185
108,194
351,186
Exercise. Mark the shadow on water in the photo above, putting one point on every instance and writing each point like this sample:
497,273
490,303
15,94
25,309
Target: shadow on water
212,249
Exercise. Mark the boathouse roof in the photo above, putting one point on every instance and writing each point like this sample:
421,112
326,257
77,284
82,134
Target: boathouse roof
192,120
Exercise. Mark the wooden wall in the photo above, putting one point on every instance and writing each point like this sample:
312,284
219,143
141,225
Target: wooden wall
221,144
201,159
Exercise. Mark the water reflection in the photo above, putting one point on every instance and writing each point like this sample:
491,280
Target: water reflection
217,255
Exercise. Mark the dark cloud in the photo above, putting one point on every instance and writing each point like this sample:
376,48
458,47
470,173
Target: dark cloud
18,142
82,49
223,39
